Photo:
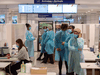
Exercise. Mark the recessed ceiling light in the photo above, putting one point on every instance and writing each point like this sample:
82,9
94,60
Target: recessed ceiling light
88,11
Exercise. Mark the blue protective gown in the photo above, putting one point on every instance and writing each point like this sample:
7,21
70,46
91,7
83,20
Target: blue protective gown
66,45
42,42
76,56
29,43
49,42
59,38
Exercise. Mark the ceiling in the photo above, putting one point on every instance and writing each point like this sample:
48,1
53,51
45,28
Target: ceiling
86,6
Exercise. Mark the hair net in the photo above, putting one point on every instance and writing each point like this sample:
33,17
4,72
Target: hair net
78,30
49,26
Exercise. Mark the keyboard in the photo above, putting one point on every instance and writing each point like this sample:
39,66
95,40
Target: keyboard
3,58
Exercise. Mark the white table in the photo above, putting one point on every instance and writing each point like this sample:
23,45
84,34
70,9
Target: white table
9,60
49,73
4,64
89,56
92,66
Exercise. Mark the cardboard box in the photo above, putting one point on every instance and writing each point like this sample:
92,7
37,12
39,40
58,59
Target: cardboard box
39,71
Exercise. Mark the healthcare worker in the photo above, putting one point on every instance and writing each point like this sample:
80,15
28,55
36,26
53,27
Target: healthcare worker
43,44
29,41
49,45
75,46
22,56
60,50
69,36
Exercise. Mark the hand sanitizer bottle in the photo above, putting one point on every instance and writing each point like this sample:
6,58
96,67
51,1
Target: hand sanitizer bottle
23,68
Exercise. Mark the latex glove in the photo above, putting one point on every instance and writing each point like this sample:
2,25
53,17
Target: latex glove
80,49
58,49
63,43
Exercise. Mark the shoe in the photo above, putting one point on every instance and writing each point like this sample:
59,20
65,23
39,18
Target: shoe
42,59
38,58
43,62
67,74
52,62
60,73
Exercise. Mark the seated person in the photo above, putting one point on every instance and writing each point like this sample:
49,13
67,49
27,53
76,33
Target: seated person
22,56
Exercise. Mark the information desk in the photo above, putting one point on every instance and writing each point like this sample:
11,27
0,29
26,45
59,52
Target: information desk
49,73
92,68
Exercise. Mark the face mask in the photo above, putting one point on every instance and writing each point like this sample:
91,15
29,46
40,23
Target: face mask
76,36
69,30
45,30
17,46
29,28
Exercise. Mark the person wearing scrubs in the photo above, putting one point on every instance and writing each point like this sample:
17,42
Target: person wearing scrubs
22,56
43,44
69,36
60,50
75,46
29,41
49,45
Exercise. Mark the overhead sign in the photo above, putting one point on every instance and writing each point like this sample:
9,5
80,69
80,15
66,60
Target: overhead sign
44,15
54,1
47,8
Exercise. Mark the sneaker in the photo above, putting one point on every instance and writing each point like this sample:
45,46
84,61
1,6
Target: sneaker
38,58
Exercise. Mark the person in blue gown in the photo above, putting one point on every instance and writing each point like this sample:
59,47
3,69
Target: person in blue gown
60,50
29,41
49,45
43,44
75,46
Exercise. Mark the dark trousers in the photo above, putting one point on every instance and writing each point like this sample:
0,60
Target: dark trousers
40,55
13,68
48,56
60,66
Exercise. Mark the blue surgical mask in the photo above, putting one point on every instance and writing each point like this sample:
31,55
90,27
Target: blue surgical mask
17,46
45,30
29,28
76,36
69,30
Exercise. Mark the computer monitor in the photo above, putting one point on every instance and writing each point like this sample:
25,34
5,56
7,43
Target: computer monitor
4,51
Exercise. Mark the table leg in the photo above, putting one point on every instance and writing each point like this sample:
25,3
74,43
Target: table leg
93,71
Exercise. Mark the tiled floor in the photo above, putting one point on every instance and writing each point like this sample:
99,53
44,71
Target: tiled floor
50,67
